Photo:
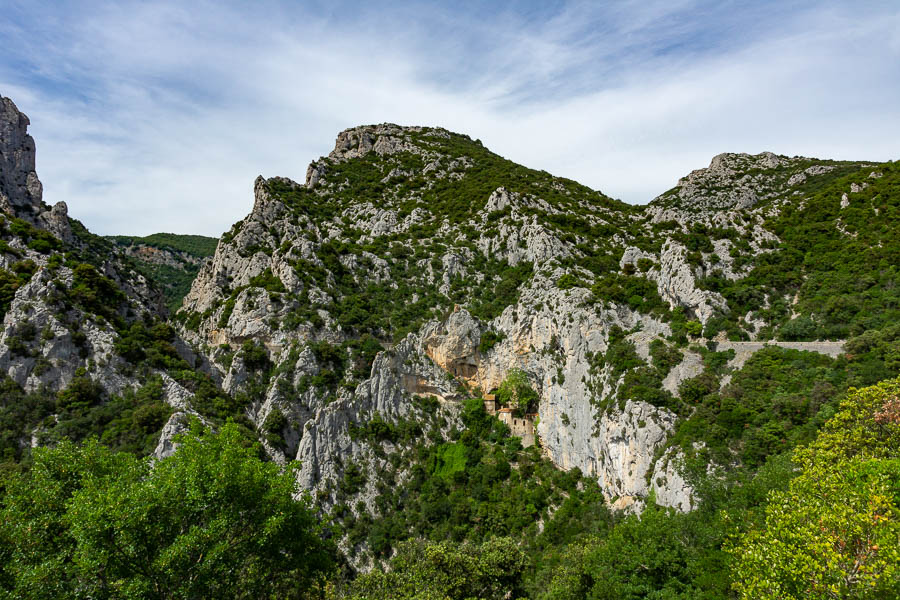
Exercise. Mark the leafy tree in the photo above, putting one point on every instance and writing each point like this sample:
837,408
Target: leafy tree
444,571
210,521
642,557
516,391
836,532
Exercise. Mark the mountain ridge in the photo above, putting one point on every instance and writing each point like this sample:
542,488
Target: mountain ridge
380,320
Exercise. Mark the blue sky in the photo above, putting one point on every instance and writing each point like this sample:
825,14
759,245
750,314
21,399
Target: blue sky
157,116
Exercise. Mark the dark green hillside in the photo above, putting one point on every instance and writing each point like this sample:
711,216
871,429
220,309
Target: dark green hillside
842,264
195,245
175,265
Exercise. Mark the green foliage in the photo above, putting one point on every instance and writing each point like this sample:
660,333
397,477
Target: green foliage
212,520
640,558
195,245
268,281
274,426
568,281
665,357
841,264
129,422
489,339
449,459
516,392
773,403
81,393
638,293
94,292
489,301
835,533
445,571
482,485
694,328
39,240
255,356
173,281
150,342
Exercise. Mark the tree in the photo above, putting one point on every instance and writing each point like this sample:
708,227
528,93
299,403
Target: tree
445,571
836,532
642,557
213,520
516,392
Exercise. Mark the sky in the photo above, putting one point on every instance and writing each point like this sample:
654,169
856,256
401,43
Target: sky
157,116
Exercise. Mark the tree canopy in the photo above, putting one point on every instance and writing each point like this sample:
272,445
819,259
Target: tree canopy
211,521
836,532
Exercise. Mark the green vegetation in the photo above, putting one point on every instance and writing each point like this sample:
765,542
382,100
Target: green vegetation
842,270
778,400
195,245
516,392
419,570
460,509
174,281
638,293
94,292
212,520
835,533
481,486
488,340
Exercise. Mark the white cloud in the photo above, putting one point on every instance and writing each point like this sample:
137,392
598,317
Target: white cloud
159,118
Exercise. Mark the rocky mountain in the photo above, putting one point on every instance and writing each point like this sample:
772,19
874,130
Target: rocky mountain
169,260
406,319
84,346
459,267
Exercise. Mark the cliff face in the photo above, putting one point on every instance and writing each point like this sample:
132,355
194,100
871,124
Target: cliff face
21,192
69,303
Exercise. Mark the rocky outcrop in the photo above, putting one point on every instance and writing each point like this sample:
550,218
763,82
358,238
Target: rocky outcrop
668,483
677,284
725,184
161,256
21,192
397,378
383,139
20,189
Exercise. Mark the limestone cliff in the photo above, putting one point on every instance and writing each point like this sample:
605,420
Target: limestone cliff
69,304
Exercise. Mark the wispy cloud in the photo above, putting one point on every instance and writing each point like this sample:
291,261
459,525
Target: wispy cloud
157,116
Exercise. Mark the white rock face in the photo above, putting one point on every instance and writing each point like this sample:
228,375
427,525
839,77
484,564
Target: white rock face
397,377
691,366
668,484
677,285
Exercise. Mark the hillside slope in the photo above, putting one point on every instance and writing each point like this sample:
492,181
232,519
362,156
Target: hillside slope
170,260
454,346
84,346
461,268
